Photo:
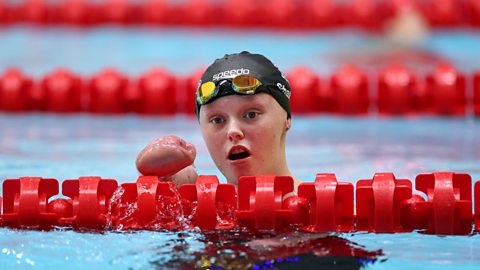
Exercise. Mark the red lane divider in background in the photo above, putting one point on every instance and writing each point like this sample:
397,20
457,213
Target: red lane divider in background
445,92
397,91
317,14
476,94
365,13
75,12
108,92
323,14
277,13
61,92
115,11
15,91
444,12
158,12
309,96
473,9
186,98
196,12
34,11
154,89
348,91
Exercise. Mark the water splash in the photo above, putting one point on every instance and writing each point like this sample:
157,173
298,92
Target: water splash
122,212
172,213
226,216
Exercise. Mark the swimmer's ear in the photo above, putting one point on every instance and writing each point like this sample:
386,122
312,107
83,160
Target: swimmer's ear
288,124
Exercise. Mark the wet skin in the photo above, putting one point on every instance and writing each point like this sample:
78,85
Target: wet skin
245,135
168,157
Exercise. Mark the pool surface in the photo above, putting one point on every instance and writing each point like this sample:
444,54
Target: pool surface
70,146
133,50
66,147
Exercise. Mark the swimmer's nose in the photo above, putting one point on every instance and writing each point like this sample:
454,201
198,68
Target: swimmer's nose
235,133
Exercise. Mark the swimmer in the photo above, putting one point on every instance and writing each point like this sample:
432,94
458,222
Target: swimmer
408,28
402,39
243,108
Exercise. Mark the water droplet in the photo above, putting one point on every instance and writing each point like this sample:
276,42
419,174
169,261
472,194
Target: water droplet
28,261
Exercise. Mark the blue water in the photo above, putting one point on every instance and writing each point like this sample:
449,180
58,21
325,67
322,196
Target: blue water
354,148
65,147
183,50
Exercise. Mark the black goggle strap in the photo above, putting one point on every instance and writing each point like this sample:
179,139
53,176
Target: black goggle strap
243,84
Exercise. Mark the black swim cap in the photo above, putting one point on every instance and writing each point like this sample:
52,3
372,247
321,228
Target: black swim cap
256,65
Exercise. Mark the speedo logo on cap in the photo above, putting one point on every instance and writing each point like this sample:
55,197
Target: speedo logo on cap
228,74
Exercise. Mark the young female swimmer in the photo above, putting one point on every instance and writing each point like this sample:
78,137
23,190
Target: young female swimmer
243,108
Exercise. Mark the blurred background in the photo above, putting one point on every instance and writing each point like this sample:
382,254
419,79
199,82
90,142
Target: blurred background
117,68
168,43
86,84
377,86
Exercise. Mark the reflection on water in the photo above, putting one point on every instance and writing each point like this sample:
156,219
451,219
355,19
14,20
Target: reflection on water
242,250
183,50
66,147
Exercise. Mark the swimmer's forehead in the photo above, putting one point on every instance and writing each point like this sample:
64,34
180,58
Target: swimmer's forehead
233,103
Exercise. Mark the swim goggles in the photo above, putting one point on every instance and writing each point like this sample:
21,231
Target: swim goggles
242,84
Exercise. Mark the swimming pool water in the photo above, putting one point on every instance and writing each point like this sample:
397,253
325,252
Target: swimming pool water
70,146
134,50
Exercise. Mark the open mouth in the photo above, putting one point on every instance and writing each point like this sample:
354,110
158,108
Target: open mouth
237,153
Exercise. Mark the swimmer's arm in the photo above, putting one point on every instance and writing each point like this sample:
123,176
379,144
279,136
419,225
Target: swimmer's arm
296,183
169,158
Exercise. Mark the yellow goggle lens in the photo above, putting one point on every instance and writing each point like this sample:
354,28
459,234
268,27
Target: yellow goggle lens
205,92
206,89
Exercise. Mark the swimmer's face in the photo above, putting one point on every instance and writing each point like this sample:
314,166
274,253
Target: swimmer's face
245,135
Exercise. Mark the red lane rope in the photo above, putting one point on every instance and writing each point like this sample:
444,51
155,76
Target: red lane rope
315,14
394,90
383,204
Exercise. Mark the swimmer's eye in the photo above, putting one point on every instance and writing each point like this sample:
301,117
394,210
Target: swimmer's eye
251,115
217,120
